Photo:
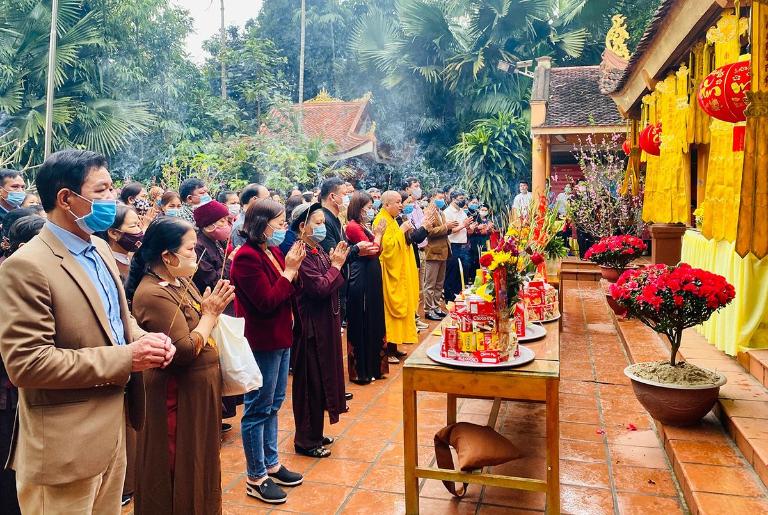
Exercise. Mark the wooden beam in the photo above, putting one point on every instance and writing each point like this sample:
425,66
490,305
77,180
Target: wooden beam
685,24
518,483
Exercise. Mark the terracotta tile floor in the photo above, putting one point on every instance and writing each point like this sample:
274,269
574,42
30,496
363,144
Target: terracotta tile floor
612,460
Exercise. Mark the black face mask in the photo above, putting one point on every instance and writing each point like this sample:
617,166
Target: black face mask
461,203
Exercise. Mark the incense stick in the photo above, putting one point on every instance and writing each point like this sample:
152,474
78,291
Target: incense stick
224,266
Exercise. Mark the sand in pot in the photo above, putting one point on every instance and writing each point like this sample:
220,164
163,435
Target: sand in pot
684,374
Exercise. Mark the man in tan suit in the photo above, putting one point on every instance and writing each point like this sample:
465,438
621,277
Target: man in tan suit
436,253
69,343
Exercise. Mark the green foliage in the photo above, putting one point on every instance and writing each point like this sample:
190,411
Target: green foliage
493,155
88,112
255,70
279,161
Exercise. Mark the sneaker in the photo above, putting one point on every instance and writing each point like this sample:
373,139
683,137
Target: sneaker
433,316
267,491
226,428
126,500
285,477
421,325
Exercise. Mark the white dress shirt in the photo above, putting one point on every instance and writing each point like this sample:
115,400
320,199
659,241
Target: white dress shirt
453,213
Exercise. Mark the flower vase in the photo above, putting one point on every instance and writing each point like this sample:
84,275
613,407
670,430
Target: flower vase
611,274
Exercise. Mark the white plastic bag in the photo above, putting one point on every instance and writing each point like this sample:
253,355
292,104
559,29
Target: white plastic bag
239,371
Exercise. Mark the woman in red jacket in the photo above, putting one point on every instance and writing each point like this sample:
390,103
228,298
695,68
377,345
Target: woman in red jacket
265,297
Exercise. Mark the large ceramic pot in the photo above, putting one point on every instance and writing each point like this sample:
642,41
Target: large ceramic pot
615,306
611,274
675,405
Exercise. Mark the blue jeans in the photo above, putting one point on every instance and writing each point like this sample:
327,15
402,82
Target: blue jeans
259,423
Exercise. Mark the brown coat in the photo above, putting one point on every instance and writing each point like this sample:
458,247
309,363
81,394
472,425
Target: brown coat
189,392
57,347
438,247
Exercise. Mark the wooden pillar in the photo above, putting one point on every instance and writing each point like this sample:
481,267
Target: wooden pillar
539,162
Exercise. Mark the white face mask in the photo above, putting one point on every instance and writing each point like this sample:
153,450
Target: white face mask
416,193
234,209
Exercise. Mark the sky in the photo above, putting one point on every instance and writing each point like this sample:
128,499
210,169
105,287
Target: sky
207,16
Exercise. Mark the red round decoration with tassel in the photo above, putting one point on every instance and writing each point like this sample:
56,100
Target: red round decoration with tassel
722,94
626,147
650,139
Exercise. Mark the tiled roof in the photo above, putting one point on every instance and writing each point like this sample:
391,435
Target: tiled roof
575,99
336,121
614,80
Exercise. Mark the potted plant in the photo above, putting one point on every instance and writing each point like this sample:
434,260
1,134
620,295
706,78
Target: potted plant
614,253
670,299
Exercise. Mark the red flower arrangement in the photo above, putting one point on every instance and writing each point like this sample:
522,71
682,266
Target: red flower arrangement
669,299
486,260
616,251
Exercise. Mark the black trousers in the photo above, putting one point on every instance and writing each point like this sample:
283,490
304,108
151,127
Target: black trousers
452,285
9,504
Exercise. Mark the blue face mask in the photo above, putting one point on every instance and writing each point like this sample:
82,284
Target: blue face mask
370,214
277,238
101,217
376,204
204,199
473,207
440,203
174,211
15,197
408,209
318,233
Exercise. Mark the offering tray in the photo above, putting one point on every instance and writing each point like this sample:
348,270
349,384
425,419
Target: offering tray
526,356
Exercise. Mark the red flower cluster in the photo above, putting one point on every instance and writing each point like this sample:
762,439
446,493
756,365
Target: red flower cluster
486,260
669,299
680,293
507,244
537,258
616,251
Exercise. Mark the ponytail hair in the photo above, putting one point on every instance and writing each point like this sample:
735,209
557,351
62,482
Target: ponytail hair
163,234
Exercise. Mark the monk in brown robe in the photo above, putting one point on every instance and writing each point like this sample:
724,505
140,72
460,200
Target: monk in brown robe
318,371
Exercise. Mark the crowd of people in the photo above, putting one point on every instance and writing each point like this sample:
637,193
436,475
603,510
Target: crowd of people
111,386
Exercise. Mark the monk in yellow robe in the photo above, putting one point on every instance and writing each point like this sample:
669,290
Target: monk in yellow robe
400,276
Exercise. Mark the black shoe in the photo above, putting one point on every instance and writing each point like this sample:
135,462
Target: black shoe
348,396
126,500
317,452
362,382
226,428
399,354
285,477
434,316
328,440
268,492
441,313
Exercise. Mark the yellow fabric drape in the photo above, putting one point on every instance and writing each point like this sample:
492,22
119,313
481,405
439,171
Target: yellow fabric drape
743,324
667,187
698,120
400,280
723,186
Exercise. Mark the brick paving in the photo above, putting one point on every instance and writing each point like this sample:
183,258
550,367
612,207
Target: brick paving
612,460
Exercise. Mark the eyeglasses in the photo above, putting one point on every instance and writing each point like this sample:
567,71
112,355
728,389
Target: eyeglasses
284,225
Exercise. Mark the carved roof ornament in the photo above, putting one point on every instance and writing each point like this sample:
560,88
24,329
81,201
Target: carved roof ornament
729,28
616,39
365,98
323,96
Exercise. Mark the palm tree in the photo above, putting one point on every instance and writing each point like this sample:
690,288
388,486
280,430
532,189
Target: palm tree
85,112
493,154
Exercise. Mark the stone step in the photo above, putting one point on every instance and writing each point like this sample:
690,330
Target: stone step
721,461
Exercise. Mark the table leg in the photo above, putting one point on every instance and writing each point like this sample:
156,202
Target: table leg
494,416
451,413
410,442
553,447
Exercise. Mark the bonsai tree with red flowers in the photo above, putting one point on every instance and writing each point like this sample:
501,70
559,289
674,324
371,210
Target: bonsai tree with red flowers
616,251
669,299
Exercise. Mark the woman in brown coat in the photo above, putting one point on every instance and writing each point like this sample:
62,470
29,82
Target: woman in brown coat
178,467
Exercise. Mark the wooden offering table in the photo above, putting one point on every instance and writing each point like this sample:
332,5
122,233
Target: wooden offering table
538,381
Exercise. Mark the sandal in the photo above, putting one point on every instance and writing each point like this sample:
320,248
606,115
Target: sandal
317,452
393,360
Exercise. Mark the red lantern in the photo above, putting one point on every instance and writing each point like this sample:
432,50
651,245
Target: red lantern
626,147
650,139
722,93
